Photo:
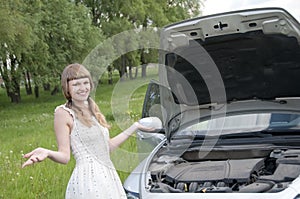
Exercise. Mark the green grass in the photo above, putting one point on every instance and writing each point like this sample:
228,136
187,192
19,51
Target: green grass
29,124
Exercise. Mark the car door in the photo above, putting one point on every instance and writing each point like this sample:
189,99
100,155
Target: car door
151,108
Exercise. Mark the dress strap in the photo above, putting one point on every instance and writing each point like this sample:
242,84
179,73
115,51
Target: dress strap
70,111
65,108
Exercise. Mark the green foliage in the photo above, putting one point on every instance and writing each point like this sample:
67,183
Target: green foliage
116,17
41,38
15,39
68,32
15,32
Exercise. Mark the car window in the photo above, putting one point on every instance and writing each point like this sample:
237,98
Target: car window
249,122
152,101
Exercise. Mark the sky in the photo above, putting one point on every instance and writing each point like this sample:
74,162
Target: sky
216,6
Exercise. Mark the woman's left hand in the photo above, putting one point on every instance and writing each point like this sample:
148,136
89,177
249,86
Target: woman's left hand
150,124
144,128
37,155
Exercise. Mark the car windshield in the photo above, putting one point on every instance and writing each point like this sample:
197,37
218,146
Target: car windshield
247,123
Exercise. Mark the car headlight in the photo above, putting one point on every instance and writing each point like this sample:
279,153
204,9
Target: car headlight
132,195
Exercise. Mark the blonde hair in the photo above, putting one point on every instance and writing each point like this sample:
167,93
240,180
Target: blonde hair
78,71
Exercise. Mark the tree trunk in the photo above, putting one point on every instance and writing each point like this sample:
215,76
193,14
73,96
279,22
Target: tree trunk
27,83
144,70
55,90
110,75
36,91
136,72
5,77
131,73
144,64
15,97
46,86
15,92
123,71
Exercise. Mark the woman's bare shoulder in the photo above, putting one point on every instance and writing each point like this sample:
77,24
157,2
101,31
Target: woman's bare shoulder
62,112
63,121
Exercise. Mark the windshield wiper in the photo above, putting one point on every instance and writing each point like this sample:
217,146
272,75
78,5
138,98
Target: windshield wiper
214,135
265,133
256,134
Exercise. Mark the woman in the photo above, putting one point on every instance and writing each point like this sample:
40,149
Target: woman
81,126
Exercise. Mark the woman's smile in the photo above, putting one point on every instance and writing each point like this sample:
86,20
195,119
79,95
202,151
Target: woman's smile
79,89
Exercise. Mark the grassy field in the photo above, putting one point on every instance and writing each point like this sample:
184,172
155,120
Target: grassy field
29,124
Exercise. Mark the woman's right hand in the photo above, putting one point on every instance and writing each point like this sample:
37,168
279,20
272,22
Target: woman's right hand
37,155
150,124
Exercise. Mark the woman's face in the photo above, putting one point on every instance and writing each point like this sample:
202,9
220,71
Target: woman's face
79,89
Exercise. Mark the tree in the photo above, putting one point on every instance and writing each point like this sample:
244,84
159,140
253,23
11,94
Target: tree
39,38
116,16
34,61
69,34
15,39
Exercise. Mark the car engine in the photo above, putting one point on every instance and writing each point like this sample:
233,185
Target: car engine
256,170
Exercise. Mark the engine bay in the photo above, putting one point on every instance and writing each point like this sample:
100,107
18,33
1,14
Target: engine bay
251,170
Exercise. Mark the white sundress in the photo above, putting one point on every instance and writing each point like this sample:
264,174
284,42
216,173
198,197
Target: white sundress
94,175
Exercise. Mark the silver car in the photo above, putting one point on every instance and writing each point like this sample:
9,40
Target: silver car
228,97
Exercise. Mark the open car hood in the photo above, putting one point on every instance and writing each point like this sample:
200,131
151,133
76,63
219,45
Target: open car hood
231,63
235,56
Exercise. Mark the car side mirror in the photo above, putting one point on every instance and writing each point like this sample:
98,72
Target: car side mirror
152,122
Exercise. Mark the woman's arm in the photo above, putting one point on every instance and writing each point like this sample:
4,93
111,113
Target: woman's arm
116,141
63,123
